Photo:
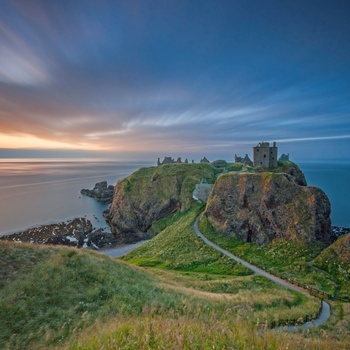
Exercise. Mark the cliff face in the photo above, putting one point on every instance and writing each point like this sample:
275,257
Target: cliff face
260,207
152,193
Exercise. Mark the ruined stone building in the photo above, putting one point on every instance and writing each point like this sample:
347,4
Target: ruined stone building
166,160
244,160
265,155
169,160
284,157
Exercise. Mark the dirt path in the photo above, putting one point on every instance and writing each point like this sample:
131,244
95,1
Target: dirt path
325,313
120,251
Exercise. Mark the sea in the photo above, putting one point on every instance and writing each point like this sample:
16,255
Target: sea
36,192
41,191
334,179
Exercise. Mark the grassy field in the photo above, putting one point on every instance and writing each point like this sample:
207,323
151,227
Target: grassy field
54,292
64,298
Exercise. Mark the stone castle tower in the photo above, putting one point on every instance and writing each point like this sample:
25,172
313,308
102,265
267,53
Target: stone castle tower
264,155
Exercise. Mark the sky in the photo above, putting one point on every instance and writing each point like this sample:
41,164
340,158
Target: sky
144,79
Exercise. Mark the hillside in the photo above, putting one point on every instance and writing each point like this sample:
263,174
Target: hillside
185,296
336,261
166,255
48,293
177,248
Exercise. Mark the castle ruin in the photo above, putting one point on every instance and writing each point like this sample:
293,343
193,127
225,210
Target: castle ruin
169,160
244,160
265,155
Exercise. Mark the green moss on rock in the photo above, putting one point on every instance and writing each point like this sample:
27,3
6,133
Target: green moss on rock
152,193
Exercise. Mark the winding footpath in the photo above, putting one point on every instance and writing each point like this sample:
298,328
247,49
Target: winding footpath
120,251
325,312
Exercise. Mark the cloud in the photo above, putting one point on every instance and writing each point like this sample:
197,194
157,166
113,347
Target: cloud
19,64
183,76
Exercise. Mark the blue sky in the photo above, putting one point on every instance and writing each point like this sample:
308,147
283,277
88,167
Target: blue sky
143,79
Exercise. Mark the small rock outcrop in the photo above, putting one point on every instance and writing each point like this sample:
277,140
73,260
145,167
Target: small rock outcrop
261,207
102,192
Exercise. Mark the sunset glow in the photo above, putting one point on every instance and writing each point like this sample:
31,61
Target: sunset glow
175,78
29,141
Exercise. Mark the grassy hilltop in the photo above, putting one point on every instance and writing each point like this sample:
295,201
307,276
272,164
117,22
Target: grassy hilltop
173,292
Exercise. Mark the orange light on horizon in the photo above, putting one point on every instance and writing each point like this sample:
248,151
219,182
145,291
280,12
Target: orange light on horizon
24,141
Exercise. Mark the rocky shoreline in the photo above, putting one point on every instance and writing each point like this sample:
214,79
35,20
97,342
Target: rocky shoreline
78,233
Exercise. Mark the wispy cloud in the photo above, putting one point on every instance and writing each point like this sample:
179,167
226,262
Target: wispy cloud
19,64
175,77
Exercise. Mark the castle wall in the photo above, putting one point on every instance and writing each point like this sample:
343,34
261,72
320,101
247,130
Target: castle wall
264,155
273,157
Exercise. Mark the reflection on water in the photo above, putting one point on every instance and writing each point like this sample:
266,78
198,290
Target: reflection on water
36,192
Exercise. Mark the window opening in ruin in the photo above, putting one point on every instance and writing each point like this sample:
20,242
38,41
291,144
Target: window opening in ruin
249,236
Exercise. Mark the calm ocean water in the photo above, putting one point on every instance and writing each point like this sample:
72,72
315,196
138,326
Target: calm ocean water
37,192
334,180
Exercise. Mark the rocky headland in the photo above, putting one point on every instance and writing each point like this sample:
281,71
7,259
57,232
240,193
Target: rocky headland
102,192
258,205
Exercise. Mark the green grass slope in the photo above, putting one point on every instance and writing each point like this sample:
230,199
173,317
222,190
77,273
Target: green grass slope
336,261
178,248
49,293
